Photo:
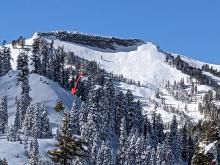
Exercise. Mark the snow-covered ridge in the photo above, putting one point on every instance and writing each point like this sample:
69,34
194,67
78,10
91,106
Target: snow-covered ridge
142,62
196,63
92,40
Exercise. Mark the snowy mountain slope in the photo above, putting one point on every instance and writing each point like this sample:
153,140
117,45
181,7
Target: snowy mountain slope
14,151
42,91
146,64
196,63
141,62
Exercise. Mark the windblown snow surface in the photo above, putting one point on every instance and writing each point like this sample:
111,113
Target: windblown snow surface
144,63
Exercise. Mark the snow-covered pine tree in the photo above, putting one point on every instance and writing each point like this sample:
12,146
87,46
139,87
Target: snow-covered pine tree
121,152
74,117
18,115
147,127
3,162
129,106
120,110
23,75
184,144
3,114
131,149
105,154
36,130
27,124
26,146
68,147
161,154
160,129
50,71
44,51
153,157
110,103
6,60
59,66
173,140
154,130
95,148
170,159
45,124
91,119
142,151
35,57
36,122
34,151
190,149
11,134
138,119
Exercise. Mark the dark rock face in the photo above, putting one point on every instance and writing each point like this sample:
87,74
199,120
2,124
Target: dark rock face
90,40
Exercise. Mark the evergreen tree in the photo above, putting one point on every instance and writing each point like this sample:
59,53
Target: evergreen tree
95,148
142,151
184,144
170,159
160,129
59,66
173,140
138,119
74,117
130,109
11,134
34,151
27,125
50,71
35,57
161,154
45,124
190,149
154,130
68,147
109,101
153,158
26,146
59,106
147,127
3,162
120,110
105,154
36,122
23,75
44,51
121,153
130,152
5,60
18,115
3,114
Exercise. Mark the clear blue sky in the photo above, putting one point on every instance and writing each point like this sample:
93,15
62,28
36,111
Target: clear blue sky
189,27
